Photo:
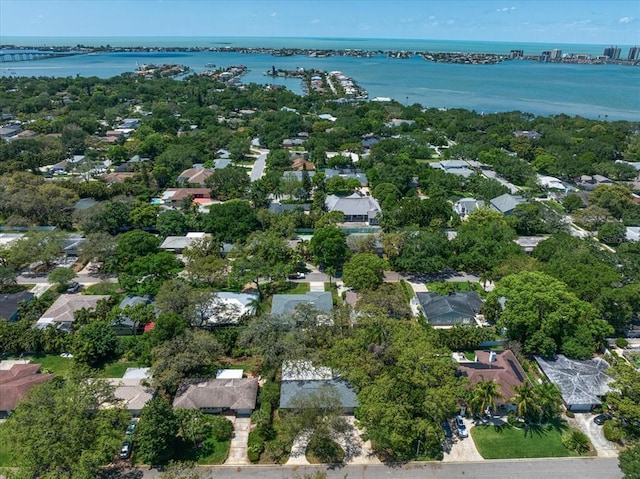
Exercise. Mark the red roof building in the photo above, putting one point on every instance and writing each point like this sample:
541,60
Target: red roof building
16,382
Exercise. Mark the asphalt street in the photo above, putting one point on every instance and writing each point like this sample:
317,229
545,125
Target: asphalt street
572,468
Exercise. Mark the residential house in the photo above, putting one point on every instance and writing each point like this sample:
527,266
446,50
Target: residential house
225,308
301,164
531,135
286,304
302,378
174,196
466,206
347,174
395,122
132,393
502,367
124,326
10,304
451,309
457,167
215,396
195,177
357,208
177,244
117,177
15,383
61,312
275,207
581,383
551,183
9,131
7,238
632,233
589,183
506,203
528,243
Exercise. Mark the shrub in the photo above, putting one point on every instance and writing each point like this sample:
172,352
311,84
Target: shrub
622,342
255,444
222,428
576,441
611,431
570,414
270,393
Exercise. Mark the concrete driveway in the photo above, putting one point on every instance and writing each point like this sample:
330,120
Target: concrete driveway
238,448
604,448
461,450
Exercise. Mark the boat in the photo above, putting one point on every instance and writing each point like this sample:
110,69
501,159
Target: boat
209,65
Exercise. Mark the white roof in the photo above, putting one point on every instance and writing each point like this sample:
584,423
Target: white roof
229,374
304,370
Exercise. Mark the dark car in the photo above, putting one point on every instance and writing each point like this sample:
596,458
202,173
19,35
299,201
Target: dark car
447,429
131,428
601,418
125,450
73,288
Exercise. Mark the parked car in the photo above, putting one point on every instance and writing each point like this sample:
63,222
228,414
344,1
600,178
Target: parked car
125,451
73,288
131,428
447,429
601,418
462,429
296,276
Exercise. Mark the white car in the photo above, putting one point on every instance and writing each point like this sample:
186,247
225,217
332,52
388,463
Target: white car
462,429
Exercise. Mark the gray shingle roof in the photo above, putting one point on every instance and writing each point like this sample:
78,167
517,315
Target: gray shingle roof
287,303
354,205
292,389
451,309
580,382
506,203
217,393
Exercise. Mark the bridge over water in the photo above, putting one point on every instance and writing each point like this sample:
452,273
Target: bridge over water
16,56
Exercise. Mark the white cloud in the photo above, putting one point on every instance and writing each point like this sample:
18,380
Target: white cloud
432,17
512,8
273,14
315,20
505,9
625,20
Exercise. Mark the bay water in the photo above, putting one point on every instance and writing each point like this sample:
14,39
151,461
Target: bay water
595,91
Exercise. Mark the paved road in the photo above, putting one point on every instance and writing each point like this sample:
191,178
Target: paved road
574,468
258,167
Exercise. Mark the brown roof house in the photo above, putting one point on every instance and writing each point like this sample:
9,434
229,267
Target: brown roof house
195,176
133,393
501,367
215,396
16,382
61,312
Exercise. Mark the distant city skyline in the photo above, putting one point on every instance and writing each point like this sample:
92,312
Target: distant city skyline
607,22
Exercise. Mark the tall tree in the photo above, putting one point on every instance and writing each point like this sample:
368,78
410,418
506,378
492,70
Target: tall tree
61,429
156,433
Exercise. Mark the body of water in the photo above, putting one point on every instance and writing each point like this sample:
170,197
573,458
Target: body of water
594,91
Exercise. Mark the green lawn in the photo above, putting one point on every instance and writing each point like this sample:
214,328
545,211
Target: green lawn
337,300
506,442
103,288
116,369
53,363
210,452
442,287
296,288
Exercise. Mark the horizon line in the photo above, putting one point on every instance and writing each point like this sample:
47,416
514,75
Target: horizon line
307,38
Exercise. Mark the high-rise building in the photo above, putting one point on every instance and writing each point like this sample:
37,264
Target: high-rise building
545,56
516,53
556,54
634,54
613,53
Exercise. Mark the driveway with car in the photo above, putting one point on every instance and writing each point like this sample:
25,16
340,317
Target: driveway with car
603,447
457,449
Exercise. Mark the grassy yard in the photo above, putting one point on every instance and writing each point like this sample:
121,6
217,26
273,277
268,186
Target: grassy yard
103,287
117,369
506,442
210,452
53,363
296,288
337,300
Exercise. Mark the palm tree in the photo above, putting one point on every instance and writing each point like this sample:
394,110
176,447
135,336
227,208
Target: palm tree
484,396
549,400
525,399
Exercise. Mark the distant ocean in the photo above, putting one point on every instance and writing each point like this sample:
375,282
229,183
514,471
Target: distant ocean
594,91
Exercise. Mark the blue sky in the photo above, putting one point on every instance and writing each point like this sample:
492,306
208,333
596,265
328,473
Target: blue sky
544,21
